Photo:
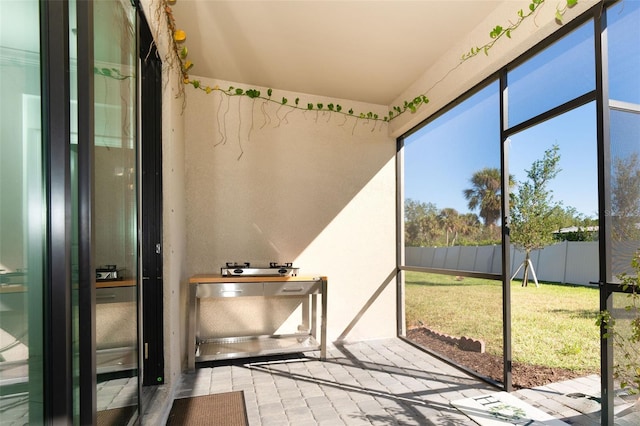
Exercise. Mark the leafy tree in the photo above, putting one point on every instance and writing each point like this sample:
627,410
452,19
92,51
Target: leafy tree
625,199
533,211
421,223
426,225
471,229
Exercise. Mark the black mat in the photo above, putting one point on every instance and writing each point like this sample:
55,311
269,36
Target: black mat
226,409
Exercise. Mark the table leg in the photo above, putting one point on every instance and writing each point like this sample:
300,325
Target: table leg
191,338
305,317
323,323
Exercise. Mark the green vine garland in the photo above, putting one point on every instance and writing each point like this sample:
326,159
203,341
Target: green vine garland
498,31
180,54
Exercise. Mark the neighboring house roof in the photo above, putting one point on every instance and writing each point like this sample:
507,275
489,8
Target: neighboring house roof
577,229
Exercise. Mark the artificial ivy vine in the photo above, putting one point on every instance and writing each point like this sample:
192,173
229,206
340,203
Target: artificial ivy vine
180,53
296,105
113,73
176,56
499,31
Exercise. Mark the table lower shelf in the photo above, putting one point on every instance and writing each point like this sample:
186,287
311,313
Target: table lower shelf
107,361
243,347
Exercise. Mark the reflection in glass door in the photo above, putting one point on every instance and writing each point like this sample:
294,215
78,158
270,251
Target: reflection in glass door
622,208
115,208
622,305
22,247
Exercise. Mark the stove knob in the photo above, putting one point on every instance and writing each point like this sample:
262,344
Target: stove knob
282,271
238,271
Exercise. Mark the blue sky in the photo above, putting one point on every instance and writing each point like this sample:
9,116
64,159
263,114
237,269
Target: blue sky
441,157
440,161
575,133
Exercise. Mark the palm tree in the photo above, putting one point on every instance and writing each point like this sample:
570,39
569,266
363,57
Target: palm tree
451,222
485,194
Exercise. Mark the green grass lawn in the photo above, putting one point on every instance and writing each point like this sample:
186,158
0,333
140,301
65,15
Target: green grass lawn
552,325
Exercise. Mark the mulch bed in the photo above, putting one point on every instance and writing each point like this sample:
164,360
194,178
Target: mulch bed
488,365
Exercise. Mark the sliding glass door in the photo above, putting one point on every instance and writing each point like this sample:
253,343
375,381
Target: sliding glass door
69,247
622,207
22,206
115,220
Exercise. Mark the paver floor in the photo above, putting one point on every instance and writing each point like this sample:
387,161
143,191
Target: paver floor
381,382
385,382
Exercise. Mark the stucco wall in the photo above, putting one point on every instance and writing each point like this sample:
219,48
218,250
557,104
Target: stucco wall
269,184
174,236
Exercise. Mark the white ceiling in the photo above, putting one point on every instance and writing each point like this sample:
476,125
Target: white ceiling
361,50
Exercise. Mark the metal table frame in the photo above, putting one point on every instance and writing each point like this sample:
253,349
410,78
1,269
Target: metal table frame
218,286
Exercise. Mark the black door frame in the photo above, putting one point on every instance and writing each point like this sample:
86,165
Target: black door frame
57,374
604,203
86,184
152,342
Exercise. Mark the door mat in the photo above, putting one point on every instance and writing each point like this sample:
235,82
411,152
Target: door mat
502,408
225,409
115,416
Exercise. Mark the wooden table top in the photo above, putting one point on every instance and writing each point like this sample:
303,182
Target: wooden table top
21,288
217,278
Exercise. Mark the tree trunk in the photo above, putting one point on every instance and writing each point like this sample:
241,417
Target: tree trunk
525,276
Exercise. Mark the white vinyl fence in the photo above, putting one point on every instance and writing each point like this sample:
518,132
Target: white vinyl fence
574,262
